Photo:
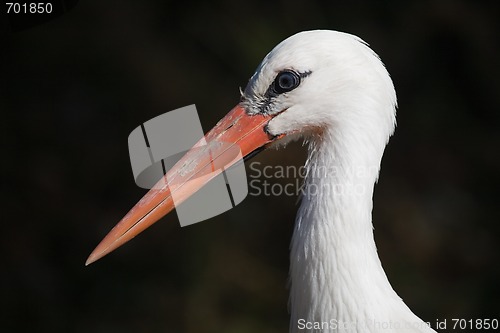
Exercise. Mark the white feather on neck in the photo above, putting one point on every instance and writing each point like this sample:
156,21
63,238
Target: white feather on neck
336,275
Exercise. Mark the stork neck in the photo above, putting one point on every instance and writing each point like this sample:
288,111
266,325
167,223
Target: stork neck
335,270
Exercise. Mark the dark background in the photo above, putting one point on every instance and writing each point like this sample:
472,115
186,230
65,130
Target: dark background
74,88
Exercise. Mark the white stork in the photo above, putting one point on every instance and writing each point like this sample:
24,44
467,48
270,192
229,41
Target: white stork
332,90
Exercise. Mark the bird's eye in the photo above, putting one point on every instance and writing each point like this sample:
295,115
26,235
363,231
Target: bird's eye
286,81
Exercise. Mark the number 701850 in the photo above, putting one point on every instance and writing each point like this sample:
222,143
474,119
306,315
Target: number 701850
29,7
477,324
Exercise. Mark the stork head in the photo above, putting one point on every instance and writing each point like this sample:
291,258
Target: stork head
317,80
312,82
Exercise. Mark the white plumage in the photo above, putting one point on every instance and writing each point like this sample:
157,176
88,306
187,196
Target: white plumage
345,110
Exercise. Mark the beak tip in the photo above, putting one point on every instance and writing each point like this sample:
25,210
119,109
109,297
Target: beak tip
93,257
90,260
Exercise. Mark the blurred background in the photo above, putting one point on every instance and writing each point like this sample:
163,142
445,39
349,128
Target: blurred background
74,88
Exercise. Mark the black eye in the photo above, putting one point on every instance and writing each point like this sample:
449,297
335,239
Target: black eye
286,81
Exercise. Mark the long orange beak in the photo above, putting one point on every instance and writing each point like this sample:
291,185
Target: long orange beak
199,165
